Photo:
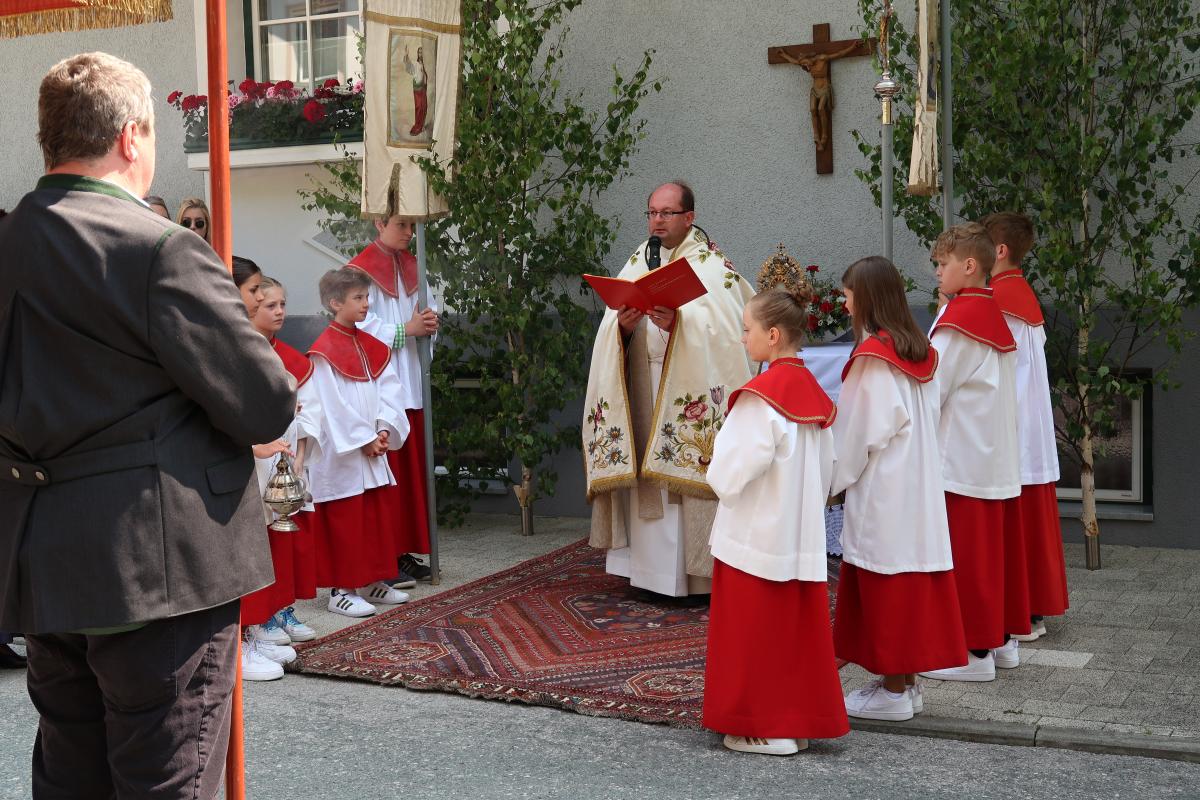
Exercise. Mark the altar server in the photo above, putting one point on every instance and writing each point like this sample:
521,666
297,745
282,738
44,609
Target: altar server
771,681
1046,568
355,508
977,436
897,607
396,319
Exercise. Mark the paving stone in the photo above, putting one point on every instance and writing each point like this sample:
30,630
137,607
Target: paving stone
1051,708
1162,652
1188,638
1186,684
992,702
1110,695
1071,722
1143,730
955,711
1055,658
1096,678
1010,716
1120,662
944,694
1159,701
1038,691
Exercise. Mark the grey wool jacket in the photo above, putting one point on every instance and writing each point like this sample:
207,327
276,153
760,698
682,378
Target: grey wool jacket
132,386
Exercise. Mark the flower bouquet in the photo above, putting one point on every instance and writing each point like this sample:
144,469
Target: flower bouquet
270,113
827,315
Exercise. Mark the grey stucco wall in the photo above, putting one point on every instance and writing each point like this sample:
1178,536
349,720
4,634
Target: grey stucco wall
165,51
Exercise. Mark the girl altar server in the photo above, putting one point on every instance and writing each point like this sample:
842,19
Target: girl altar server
771,681
269,611
395,319
897,606
356,507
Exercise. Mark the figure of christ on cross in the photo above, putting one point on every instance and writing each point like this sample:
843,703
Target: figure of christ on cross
820,96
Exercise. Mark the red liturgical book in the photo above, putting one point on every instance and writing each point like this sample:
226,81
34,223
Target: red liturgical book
670,286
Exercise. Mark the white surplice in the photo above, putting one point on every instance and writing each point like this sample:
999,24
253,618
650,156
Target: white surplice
1038,446
890,468
386,314
655,558
305,426
772,477
353,412
977,433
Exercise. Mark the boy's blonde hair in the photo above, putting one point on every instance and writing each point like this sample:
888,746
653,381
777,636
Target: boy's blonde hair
337,283
968,240
1011,229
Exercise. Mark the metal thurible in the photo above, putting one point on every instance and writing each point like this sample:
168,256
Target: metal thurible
285,495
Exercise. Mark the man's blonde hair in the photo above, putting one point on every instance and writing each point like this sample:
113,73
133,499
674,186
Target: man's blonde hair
968,240
84,102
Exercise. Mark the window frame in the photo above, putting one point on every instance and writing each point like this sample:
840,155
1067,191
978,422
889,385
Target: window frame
1140,409
254,24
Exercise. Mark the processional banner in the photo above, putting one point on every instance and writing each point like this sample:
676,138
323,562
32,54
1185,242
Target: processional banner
413,62
923,167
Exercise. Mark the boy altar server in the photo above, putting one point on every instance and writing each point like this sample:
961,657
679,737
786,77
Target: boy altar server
395,319
355,510
1013,237
977,436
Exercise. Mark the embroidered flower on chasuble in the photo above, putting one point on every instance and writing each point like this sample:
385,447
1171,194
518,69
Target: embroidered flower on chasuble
605,446
690,438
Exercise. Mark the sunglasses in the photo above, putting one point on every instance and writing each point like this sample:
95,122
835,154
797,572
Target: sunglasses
188,223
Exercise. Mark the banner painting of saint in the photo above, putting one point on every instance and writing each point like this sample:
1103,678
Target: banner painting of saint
412,67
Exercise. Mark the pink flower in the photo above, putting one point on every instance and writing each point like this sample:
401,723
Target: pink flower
695,410
314,112
235,100
717,393
357,88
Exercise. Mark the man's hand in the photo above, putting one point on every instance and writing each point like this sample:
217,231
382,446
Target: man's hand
422,323
272,449
663,317
376,448
628,318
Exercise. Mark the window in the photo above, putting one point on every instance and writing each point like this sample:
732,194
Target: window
1120,460
306,41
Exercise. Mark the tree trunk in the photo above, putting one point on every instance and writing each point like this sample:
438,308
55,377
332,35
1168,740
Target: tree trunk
1087,472
524,495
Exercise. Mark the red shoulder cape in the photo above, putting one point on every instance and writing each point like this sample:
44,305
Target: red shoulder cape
352,353
789,388
294,361
383,266
1016,298
974,313
881,346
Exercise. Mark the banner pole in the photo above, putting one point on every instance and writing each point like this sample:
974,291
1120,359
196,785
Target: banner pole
425,349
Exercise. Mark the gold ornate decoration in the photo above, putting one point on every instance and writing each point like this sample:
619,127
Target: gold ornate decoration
29,17
783,270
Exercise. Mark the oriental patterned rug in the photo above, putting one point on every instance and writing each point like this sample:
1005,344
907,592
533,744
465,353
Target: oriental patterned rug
553,631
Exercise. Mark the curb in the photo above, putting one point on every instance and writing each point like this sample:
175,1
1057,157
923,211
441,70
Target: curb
1022,735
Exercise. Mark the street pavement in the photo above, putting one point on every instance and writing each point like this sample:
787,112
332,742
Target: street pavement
1120,657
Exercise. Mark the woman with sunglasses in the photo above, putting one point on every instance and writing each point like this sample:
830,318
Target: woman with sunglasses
193,214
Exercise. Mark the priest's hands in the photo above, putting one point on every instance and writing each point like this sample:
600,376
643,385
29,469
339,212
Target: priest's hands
422,323
628,318
663,317
377,447
272,449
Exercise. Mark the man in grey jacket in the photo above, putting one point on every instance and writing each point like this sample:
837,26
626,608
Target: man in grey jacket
131,388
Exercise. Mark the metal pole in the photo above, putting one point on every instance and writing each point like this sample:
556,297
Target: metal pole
886,89
425,349
947,119
886,164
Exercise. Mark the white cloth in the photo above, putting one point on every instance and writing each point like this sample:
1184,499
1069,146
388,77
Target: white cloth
977,433
1035,415
307,426
825,362
772,477
353,412
386,314
655,558
890,468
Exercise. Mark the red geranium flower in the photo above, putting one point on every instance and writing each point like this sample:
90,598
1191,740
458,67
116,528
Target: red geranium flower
284,86
248,87
330,83
173,96
813,268
314,112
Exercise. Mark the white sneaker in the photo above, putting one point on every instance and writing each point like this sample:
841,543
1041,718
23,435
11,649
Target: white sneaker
296,630
348,604
271,634
766,747
1038,631
1007,656
979,670
873,701
279,653
380,592
918,697
256,666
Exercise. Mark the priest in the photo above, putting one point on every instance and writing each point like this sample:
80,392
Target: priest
655,401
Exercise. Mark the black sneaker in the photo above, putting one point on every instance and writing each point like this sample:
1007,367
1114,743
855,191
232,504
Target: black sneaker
415,567
402,581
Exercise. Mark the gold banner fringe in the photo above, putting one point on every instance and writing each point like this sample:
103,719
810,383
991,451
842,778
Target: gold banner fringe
88,15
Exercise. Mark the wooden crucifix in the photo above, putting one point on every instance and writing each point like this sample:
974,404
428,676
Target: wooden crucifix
815,59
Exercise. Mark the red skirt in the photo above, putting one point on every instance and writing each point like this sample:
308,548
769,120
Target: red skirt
408,465
770,669
1044,550
295,573
353,540
977,543
898,624
1016,570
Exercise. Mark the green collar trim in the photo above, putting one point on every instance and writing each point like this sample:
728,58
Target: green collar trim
82,183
